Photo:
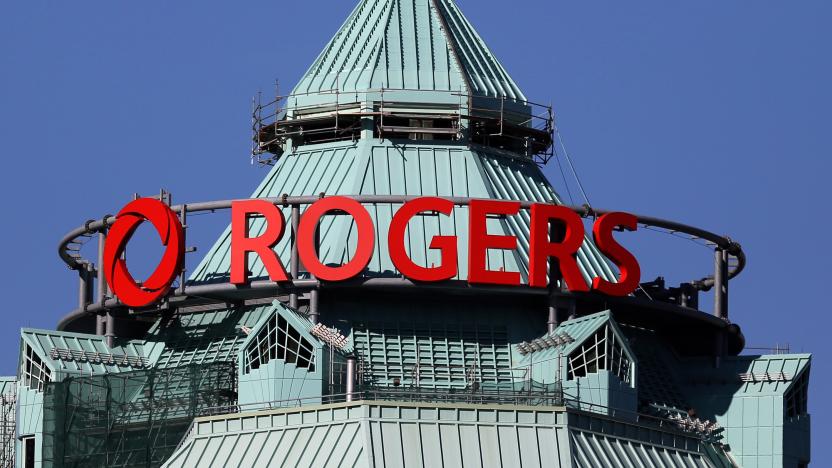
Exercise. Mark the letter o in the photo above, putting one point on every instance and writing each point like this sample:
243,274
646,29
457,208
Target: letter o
167,225
306,235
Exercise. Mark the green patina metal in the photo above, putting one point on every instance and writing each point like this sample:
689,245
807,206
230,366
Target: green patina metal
404,434
761,402
386,168
410,45
442,379
282,361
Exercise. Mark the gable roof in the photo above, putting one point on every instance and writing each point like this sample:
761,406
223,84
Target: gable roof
297,320
78,353
577,331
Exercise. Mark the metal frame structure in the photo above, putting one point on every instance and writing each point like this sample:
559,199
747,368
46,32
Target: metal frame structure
8,433
131,418
338,116
729,262
554,397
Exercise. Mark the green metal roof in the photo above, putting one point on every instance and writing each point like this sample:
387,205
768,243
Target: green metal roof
78,353
380,434
199,337
408,44
203,337
376,167
8,385
592,450
752,375
395,434
411,46
579,329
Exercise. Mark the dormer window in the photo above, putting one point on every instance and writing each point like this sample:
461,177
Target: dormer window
35,373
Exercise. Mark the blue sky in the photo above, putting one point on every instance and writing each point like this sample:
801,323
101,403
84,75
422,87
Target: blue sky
714,113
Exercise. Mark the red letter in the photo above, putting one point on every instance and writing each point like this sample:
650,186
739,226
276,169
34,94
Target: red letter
306,235
446,244
480,241
623,259
168,227
542,247
242,244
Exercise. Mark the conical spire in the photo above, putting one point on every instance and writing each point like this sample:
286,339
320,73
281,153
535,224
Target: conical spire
386,53
408,44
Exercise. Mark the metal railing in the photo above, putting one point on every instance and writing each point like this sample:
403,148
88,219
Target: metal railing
194,294
705,430
286,116
409,395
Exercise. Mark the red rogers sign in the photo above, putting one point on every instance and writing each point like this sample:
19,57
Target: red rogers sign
542,248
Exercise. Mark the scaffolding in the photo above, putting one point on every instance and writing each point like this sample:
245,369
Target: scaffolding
514,125
130,419
7,428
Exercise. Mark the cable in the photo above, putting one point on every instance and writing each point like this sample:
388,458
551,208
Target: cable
565,183
572,166
694,239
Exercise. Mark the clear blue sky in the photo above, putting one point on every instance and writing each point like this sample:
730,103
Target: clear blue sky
715,113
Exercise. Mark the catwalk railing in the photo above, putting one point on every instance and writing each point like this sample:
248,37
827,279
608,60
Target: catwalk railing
521,126
551,397
729,262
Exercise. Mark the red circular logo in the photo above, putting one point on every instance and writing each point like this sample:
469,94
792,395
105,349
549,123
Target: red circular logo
115,269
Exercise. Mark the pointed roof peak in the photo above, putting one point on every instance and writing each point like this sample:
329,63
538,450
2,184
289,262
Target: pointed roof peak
424,45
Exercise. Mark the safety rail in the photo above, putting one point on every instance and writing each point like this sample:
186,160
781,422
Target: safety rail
336,115
706,430
730,261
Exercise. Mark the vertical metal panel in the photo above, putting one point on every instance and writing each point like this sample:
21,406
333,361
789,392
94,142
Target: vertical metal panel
384,169
410,44
591,450
399,436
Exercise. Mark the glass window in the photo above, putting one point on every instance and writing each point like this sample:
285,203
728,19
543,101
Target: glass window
279,340
796,399
35,373
602,351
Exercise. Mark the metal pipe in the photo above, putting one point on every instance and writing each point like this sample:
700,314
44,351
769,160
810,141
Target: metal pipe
720,241
102,282
99,325
183,219
720,284
314,310
222,294
294,262
350,377
314,313
552,323
109,329
90,271
556,234
83,287
727,276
